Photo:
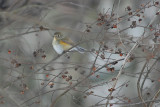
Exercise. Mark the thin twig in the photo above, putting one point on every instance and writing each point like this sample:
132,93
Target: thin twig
138,84
128,104
148,73
43,94
155,97
123,65
96,58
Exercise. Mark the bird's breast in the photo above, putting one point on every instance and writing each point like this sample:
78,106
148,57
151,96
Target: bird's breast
57,47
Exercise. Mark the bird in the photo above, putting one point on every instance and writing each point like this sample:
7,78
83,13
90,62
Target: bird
62,43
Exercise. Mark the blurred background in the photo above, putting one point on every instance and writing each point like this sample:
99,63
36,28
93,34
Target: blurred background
33,75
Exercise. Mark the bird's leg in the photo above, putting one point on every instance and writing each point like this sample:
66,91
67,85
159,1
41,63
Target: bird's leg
66,55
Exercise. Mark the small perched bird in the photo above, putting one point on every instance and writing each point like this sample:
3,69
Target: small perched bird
61,43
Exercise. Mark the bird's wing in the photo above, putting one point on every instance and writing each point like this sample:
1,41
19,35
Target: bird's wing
67,40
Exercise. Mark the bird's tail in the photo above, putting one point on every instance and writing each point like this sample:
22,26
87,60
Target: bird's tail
79,49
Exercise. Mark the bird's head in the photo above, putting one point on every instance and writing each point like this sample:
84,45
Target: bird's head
58,35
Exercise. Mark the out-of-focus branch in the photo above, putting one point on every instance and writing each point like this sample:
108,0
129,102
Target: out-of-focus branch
18,35
9,98
138,84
